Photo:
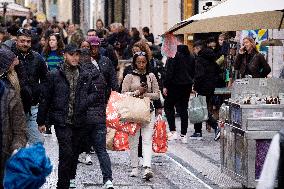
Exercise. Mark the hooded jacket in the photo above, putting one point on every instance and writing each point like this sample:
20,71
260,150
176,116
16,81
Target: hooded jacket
206,72
180,69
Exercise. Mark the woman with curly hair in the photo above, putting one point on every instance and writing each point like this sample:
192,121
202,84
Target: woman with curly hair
53,51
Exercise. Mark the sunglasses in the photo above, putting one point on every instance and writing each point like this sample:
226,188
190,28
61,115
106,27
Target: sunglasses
140,53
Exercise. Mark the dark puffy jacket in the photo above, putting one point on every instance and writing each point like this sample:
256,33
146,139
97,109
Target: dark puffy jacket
252,64
107,50
32,71
180,69
108,71
96,112
55,99
206,72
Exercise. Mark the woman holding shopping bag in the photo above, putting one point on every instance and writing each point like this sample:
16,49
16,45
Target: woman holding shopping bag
141,83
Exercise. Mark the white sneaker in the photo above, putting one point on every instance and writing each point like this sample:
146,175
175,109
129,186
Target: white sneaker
172,135
141,161
183,139
148,174
72,183
134,172
88,160
108,185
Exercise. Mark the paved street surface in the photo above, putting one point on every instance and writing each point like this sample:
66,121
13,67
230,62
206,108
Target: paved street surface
195,165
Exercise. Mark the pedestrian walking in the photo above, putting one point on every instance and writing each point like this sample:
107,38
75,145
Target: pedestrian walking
68,100
205,80
13,134
250,62
149,36
31,72
178,80
53,51
53,55
104,65
141,83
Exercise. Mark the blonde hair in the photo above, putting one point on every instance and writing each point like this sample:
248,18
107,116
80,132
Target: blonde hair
251,40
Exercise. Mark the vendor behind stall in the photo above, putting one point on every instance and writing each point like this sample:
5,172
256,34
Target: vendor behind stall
250,62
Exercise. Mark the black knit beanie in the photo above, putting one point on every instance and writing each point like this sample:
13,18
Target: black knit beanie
6,59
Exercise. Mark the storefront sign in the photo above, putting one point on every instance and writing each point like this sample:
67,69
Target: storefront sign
258,113
278,114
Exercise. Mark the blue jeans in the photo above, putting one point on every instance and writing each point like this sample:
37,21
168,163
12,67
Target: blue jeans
34,136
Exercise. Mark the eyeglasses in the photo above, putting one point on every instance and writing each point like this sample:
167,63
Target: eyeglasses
140,53
25,32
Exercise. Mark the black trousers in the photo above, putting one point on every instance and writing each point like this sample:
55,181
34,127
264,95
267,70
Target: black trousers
69,139
211,121
177,95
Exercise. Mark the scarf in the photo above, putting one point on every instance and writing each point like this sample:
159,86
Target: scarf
143,76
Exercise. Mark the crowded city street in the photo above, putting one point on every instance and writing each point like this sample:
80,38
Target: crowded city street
141,94
194,166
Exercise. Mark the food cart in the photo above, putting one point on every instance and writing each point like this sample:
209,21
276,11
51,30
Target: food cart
248,121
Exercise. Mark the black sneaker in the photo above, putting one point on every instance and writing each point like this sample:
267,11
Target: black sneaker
217,134
196,136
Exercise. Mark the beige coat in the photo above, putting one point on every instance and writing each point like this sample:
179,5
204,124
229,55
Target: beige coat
131,83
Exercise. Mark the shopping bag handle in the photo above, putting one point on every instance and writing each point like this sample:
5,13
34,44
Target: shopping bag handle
159,117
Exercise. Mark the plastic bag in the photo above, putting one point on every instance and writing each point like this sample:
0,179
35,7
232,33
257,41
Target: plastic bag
109,138
197,109
160,138
113,117
120,141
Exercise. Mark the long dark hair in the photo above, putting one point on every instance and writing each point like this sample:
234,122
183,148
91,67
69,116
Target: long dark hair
136,55
60,45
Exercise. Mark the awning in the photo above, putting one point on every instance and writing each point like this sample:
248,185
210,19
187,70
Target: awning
235,15
14,9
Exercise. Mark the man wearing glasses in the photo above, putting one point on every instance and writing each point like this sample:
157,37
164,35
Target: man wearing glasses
31,72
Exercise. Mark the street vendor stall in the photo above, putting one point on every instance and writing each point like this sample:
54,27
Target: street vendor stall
235,15
14,9
252,116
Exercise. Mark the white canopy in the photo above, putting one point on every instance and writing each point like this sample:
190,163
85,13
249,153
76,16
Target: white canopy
233,15
14,9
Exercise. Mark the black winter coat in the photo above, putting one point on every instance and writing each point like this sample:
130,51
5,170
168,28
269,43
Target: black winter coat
55,99
108,71
206,72
96,112
32,72
180,69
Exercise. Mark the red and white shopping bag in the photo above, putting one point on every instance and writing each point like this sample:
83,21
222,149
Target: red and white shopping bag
160,138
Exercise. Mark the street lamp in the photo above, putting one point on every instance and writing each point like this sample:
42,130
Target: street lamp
4,4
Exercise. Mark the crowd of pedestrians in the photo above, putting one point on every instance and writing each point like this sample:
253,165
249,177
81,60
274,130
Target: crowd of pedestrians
53,74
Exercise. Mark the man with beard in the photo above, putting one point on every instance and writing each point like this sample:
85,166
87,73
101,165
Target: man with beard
73,98
31,72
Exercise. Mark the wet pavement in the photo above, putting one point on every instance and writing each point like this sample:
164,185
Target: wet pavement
195,165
